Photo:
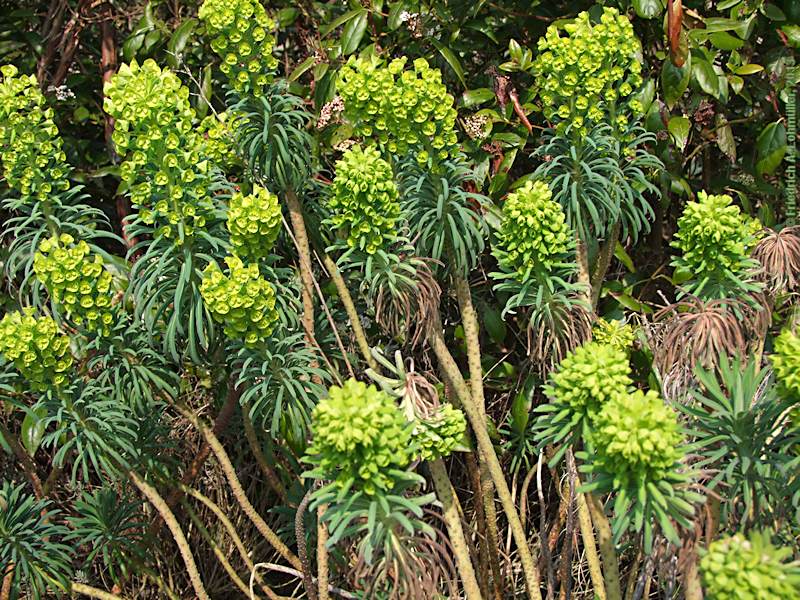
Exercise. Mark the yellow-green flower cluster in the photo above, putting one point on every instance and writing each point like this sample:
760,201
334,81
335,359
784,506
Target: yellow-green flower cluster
359,434
76,279
34,163
243,39
533,232
636,438
588,377
400,107
242,300
613,333
749,569
714,237
588,75
218,140
364,198
786,361
165,167
439,435
39,351
254,222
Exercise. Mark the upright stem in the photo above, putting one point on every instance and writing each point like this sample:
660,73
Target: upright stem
8,577
450,368
302,547
323,588
592,558
304,252
691,579
469,321
582,258
452,519
350,309
160,505
607,549
603,262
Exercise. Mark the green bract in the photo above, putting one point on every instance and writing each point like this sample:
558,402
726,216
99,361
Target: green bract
254,222
786,361
533,233
30,146
242,300
589,377
590,73
715,240
440,434
364,199
613,333
359,436
636,439
400,108
749,569
39,351
243,39
75,279
166,168
218,139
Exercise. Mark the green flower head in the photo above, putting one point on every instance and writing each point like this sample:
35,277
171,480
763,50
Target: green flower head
589,72
364,199
439,435
613,333
636,438
402,108
243,38
786,361
749,569
254,222
31,152
359,435
533,233
218,139
589,377
242,300
76,280
715,239
39,351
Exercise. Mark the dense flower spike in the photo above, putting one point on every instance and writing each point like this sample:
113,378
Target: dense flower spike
218,139
715,238
166,169
401,108
636,438
359,435
613,333
30,146
254,222
590,73
749,569
439,435
37,349
242,300
786,361
76,279
364,198
589,377
533,233
243,38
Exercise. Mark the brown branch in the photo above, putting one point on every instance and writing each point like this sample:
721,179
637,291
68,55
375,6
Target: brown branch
5,591
25,460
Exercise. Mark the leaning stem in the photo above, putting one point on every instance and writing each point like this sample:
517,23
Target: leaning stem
607,549
161,507
450,368
592,558
255,447
92,592
304,252
452,520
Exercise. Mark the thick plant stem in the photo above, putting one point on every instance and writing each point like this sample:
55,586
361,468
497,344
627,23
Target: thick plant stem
302,547
87,590
350,308
603,262
25,461
582,258
323,588
452,519
469,319
160,505
223,560
691,579
8,577
304,252
607,549
237,541
450,368
255,447
589,546
240,495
